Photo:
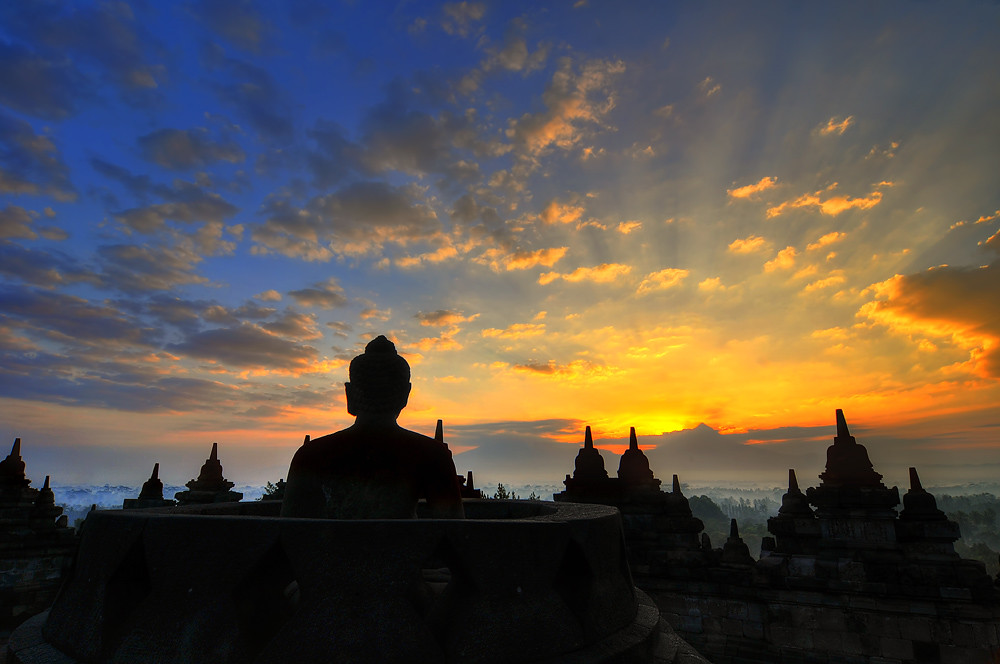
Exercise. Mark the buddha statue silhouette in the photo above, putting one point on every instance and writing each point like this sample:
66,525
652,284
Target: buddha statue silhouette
373,469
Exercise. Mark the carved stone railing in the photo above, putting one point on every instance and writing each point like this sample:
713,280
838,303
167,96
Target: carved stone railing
233,582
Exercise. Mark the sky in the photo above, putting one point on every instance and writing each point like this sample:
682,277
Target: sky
715,222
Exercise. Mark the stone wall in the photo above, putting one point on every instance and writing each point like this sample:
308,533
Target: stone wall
734,624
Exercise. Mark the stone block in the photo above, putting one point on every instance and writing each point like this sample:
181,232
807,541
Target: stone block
753,630
926,651
828,641
897,648
851,644
956,593
913,628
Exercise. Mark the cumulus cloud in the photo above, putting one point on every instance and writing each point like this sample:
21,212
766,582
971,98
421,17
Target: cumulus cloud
39,86
356,220
30,163
603,273
179,149
294,325
573,99
134,268
72,320
500,260
827,204
748,245
751,190
269,295
236,21
785,260
826,240
252,92
188,203
561,213
107,37
945,302
246,347
662,280
325,295
15,222
46,268
462,18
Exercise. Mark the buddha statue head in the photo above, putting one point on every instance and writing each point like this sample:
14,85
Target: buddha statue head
379,381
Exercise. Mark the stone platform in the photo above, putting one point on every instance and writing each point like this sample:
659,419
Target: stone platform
513,582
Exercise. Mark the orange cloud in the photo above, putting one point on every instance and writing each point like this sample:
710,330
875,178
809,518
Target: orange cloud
499,260
515,331
627,227
835,126
826,240
749,190
662,280
783,261
561,213
832,280
831,206
443,318
442,254
603,273
945,302
748,245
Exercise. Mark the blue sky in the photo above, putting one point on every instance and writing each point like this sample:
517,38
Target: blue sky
619,214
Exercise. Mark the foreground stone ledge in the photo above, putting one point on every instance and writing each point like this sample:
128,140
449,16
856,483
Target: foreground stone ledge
516,581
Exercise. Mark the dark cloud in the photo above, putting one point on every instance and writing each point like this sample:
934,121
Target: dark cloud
253,93
358,219
957,301
30,163
140,186
70,320
16,222
190,203
106,36
133,268
294,325
46,268
326,295
179,149
237,21
246,347
37,86
335,157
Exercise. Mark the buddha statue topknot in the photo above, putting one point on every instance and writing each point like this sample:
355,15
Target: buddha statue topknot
373,469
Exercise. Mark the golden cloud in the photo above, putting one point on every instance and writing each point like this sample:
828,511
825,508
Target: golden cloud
826,240
499,260
836,126
953,303
748,245
627,227
662,280
515,331
831,206
556,212
603,273
783,261
749,190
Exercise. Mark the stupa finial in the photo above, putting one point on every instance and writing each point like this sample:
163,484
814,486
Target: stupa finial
156,472
633,443
214,456
588,439
915,481
793,484
15,451
842,430
46,484
677,485
734,529
439,432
